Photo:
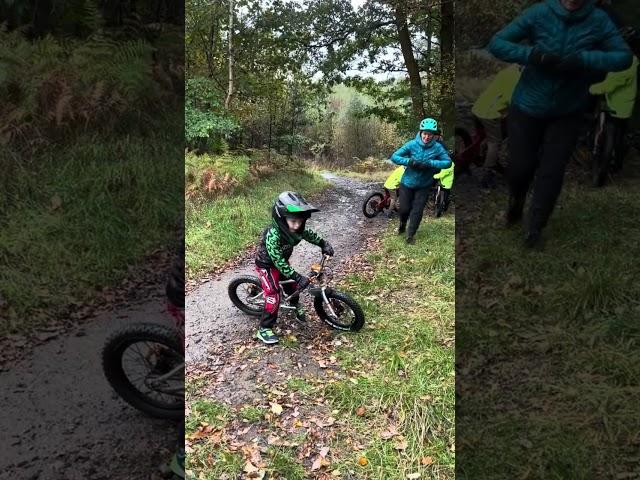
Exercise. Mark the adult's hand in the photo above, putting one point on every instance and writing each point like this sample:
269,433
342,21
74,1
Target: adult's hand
548,61
417,165
570,64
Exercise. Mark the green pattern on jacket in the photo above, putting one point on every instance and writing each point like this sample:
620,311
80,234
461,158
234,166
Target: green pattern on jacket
274,249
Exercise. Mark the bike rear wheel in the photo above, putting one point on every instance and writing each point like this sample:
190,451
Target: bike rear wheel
342,313
372,204
603,156
144,363
246,293
439,202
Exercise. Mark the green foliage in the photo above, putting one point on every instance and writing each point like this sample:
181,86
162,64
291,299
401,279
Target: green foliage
91,242
220,227
52,85
203,116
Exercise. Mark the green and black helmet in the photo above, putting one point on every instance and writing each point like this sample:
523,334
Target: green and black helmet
292,205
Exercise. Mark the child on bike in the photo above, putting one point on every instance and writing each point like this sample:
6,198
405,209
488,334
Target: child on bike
289,215
392,183
490,108
620,90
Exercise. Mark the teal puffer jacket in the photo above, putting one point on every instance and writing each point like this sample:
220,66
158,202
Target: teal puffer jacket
432,154
588,33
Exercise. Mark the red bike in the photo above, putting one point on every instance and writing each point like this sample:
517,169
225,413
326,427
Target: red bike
470,146
376,202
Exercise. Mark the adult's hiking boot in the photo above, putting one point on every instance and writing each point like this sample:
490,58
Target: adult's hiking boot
514,211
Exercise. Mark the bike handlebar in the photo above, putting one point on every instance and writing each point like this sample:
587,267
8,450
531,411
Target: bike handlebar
312,275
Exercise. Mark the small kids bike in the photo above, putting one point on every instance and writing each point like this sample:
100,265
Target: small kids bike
336,309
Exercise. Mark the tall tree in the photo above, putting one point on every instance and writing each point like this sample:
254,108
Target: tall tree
417,99
447,66
227,101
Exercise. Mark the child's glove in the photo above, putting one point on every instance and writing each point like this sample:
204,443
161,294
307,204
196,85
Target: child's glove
327,249
302,281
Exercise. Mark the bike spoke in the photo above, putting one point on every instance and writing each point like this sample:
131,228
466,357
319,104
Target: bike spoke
139,370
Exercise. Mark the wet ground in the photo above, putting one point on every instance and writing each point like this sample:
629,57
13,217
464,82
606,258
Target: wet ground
215,328
60,419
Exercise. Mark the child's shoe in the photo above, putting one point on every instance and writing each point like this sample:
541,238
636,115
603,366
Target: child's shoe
267,336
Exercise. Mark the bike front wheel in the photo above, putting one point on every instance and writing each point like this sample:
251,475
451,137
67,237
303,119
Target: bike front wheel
246,293
341,312
144,363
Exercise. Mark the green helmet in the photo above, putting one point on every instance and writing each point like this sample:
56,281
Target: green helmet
429,125
293,205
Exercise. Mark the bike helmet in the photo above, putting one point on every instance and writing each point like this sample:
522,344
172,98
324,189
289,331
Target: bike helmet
429,125
291,205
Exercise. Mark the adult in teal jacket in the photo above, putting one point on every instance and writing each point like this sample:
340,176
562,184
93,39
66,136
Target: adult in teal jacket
571,43
423,156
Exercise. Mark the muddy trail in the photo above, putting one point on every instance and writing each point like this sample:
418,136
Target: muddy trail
61,419
221,339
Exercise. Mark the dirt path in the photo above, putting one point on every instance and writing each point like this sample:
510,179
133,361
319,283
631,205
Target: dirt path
217,331
61,419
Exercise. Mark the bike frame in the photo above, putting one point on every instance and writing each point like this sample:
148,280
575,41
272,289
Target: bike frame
155,382
317,291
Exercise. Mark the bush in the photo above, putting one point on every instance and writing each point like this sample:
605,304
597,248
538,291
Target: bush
206,125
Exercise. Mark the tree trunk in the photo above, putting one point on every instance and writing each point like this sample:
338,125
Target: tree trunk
429,49
227,101
447,64
41,23
417,99
270,123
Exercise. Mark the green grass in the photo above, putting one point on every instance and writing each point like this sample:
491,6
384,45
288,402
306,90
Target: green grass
284,462
220,229
77,218
550,361
299,385
209,411
404,359
212,463
252,414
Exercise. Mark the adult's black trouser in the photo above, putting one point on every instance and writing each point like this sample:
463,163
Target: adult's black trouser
539,149
412,203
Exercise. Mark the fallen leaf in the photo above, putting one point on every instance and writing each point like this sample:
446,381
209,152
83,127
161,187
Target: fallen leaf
317,463
363,461
250,467
413,476
276,408
401,444
426,461
392,432
324,451
360,411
